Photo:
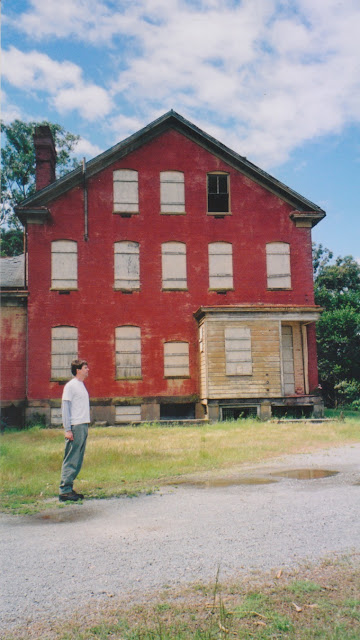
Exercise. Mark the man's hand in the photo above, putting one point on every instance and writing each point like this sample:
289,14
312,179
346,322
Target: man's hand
69,435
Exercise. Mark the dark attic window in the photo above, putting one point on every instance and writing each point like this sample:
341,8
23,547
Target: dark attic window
218,193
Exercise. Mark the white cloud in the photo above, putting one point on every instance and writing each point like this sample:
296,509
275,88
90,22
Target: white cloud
87,149
90,101
62,81
267,75
9,111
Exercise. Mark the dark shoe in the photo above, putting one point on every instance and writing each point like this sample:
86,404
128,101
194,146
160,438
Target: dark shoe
80,495
72,497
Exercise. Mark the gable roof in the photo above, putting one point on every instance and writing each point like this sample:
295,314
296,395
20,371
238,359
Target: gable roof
170,120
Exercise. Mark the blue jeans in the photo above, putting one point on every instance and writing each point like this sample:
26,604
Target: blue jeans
73,457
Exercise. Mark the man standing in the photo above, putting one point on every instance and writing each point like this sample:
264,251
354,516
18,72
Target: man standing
76,417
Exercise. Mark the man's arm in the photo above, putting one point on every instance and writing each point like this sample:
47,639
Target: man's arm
66,418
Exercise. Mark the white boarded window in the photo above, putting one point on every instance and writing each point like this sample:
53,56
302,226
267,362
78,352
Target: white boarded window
64,349
126,193
172,192
176,359
128,414
128,352
220,265
64,264
173,258
238,351
288,359
56,416
126,265
278,265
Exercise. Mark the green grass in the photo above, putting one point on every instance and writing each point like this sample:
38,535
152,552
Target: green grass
129,460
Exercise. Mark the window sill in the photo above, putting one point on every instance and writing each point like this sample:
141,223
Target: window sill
126,290
177,377
126,214
60,380
173,213
64,290
220,290
219,214
175,289
130,378
279,288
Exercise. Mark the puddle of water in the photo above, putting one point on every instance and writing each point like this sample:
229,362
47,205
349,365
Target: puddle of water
226,482
305,474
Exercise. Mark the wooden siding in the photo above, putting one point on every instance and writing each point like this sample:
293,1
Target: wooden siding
265,347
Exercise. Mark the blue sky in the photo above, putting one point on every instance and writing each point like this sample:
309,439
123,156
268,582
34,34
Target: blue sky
278,81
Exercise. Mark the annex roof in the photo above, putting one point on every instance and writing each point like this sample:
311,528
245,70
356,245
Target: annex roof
171,120
12,272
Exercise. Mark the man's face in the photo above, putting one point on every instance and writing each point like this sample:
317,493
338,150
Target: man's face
83,372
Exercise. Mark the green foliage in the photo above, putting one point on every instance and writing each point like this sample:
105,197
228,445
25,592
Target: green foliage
18,163
349,394
337,290
12,242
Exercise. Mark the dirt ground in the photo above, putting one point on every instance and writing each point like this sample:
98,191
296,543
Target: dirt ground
253,520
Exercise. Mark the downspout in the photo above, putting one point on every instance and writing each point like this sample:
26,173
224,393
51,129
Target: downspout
26,268
86,235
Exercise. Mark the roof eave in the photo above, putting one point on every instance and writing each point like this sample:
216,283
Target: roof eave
171,119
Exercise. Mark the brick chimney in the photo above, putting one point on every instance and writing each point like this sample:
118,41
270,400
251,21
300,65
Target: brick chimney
45,157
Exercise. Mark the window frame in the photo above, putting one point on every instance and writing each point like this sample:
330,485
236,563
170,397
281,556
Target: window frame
218,212
165,204
169,344
138,352
122,207
164,266
117,265
271,267
237,340
211,261
72,355
55,267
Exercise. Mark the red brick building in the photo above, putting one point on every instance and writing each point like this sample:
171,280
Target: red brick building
181,272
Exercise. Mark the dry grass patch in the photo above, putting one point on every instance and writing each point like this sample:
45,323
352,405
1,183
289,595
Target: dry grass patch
313,602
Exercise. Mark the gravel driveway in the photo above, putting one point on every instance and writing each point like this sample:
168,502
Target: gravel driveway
61,559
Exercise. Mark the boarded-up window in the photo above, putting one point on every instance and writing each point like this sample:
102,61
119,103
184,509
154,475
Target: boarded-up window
55,416
128,413
238,351
288,359
64,264
126,194
176,359
126,265
64,349
173,256
128,352
220,265
172,192
218,192
278,265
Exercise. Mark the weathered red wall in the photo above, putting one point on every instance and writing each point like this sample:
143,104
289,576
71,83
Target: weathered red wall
96,309
13,353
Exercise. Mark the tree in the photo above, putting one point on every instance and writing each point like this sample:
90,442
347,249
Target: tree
337,290
12,242
18,165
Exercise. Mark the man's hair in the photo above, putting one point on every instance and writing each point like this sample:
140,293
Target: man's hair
76,365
